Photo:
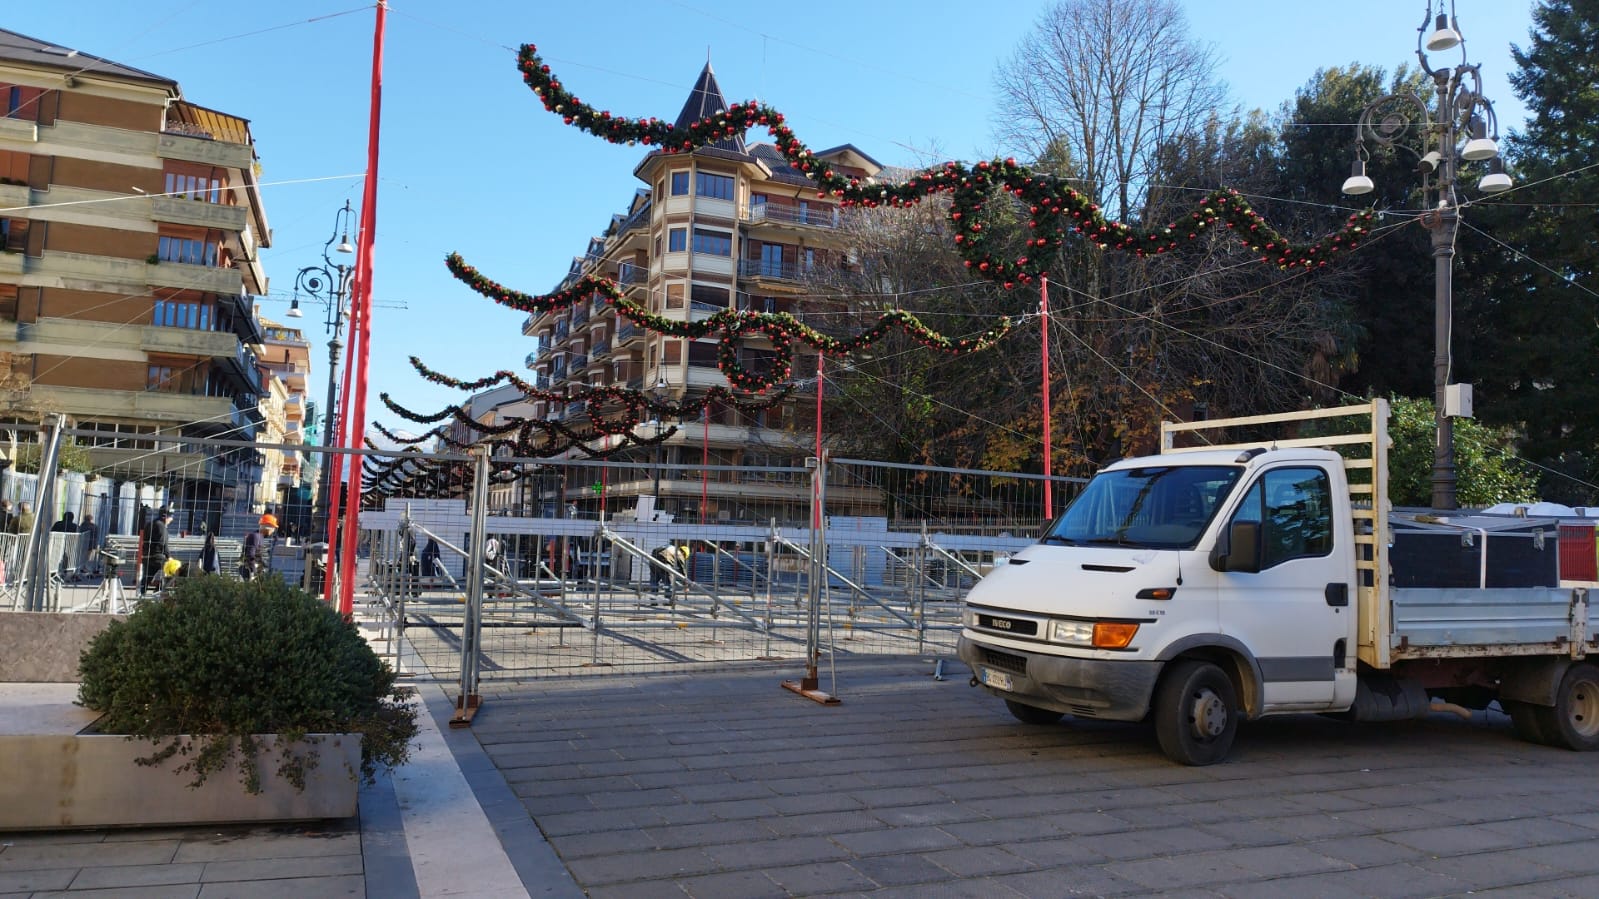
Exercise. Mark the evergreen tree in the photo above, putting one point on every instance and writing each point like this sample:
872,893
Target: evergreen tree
1530,305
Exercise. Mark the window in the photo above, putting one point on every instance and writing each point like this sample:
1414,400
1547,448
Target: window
187,250
674,296
163,378
676,240
713,243
717,187
1294,508
13,167
194,315
679,184
704,295
194,187
672,352
14,235
20,102
703,354
1156,506
772,260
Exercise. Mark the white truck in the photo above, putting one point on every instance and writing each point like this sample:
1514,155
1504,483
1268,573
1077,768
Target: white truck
1210,585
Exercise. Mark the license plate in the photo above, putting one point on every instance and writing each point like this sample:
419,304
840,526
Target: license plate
999,680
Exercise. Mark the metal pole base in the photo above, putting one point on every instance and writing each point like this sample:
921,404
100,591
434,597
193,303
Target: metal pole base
808,688
465,708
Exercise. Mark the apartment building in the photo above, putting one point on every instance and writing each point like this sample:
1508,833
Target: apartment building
130,219
285,357
728,226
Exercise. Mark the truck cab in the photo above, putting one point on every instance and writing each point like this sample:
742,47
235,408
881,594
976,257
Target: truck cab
1238,562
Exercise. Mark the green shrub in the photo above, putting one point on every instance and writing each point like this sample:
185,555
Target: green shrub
217,661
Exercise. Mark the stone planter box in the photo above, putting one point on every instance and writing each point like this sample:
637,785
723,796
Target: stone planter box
90,780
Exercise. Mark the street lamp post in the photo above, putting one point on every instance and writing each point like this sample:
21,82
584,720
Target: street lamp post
659,392
1457,131
328,283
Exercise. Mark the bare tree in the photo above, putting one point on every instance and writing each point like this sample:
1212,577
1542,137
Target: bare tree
1100,85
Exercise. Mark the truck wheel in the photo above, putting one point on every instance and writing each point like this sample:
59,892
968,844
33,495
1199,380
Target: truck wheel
1196,713
1526,720
1031,714
1574,721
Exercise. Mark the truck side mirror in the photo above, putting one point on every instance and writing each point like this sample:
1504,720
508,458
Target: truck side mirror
1238,548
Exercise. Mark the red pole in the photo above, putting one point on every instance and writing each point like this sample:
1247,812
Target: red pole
705,461
1043,318
361,326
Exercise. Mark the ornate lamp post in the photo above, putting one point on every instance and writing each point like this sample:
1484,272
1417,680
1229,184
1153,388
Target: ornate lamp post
1461,128
328,283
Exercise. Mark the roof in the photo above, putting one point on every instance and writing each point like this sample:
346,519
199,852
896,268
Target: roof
30,51
706,100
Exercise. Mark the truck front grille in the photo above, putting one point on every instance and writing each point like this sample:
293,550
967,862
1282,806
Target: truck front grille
1004,661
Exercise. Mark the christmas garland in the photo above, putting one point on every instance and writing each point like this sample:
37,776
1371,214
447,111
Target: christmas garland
558,437
1055,208
634,402
729,325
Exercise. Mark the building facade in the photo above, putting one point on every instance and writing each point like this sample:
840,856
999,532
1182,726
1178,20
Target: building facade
728,226
131,222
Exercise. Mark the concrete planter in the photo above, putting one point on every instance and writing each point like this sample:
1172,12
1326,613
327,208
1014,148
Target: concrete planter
91,780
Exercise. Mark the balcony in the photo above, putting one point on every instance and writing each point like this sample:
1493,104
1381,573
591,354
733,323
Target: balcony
199,213
766,270
210,278
787,214
532,360
579,362
188,342
601,349
580,314
630,275
562,328
14,196
242,366
627,331
190,144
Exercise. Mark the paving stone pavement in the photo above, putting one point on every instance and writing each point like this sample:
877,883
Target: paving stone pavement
722,784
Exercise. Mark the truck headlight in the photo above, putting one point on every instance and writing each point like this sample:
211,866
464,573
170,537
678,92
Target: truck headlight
969,618
1098,634
1077,633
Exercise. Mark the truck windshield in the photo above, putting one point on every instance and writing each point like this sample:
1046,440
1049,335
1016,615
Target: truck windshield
1159,507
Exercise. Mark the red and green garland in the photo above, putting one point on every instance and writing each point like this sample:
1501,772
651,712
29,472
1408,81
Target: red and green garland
729,325
1056,209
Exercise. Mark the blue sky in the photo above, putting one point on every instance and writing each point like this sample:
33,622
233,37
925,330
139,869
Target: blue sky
471,162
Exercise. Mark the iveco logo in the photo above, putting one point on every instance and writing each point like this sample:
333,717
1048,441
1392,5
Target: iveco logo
1000,623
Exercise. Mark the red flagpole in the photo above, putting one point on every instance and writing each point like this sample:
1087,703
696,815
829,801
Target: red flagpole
361,320
1043,317
705,462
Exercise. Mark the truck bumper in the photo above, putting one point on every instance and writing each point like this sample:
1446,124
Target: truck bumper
1114,690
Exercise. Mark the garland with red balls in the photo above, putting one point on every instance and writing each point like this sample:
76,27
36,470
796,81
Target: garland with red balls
729,325
1055,208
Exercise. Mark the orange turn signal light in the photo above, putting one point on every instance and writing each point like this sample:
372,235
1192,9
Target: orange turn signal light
1113,634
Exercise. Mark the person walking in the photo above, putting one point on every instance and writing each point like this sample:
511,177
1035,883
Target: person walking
156,549
255,556
88,545
7,517
210,559
24,518
61,548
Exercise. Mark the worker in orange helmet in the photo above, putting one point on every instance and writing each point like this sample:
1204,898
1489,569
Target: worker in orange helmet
253,559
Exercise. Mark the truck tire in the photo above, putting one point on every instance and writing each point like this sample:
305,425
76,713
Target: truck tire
1031,714
1574,720
1526,720
1196,713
